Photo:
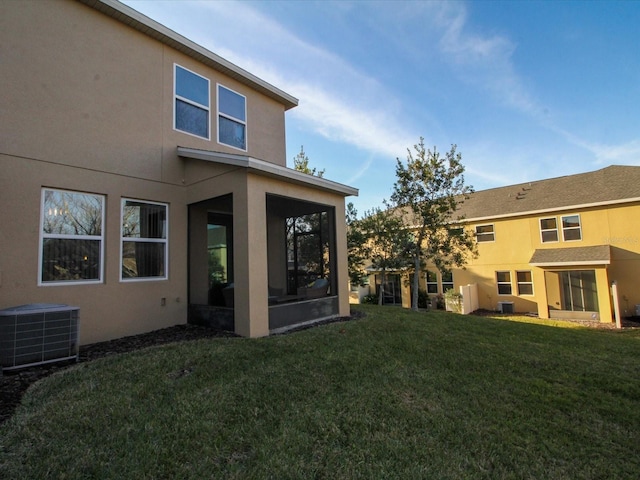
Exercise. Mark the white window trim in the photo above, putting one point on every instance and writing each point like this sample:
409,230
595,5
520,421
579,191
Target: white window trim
442,282
493,232
234,119
427,282
518,283
548,230
191,102
43,235
146,240
504,283
579,227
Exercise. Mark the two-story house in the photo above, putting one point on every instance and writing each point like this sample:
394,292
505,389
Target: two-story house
143,179
552,247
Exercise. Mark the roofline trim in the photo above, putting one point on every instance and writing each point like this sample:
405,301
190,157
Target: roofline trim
549,210
156,30
268,169
570,264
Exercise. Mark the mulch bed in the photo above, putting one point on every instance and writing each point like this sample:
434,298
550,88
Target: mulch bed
14,383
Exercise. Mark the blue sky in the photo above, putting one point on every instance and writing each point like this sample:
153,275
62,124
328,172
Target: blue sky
526,89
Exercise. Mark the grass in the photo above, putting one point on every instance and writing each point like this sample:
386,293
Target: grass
396,394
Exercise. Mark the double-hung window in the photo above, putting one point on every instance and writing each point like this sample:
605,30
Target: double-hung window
525,282
503,279
571,228
447,281
485,233
232,118
191,114
144,240
549,229
71,237
432,281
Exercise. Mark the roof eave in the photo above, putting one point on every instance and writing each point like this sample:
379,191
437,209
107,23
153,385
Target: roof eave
264,168
147,26
571,264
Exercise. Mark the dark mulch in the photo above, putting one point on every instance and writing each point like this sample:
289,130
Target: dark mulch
14,383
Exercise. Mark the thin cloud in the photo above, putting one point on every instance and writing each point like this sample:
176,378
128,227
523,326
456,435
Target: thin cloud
337,101
485,60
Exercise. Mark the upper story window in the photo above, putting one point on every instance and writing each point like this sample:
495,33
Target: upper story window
232,118
503,279
71,237
549,229
143,240
191,113
485,233
571,229
432,281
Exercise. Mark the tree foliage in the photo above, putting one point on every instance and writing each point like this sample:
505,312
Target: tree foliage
301,164
387,239
356,250
380,239
427,192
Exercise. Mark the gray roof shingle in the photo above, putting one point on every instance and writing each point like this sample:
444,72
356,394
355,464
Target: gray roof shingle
611,184
596,255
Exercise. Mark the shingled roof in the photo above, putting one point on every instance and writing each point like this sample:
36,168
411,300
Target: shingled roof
610,185
548,257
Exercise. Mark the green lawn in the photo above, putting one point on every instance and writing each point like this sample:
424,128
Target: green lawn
396,394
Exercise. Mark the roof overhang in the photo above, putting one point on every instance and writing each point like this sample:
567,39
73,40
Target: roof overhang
573,256
159,32
268,169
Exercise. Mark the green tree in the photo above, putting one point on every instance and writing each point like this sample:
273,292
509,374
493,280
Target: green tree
301,164
427,192
387,240
356,247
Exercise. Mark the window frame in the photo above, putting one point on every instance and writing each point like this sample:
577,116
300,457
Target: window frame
578,228
443,282
177,97
499,283
141,239
519,283
545,230
231,118
431,284
42,236
492,233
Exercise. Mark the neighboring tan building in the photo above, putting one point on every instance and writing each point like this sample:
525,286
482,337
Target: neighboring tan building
551,247
143,179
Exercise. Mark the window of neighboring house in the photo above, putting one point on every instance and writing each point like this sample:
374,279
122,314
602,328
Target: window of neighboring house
525,282
144,240
232,118
549,229
71,237
432,281
571,228
447,281
503,280
485,233
191,114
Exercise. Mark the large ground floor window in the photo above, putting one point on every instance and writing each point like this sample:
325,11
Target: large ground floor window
579,291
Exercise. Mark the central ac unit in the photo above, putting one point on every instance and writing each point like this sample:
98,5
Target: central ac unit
38,333
505,307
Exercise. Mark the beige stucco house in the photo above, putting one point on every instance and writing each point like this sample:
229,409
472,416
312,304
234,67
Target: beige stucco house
143,179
